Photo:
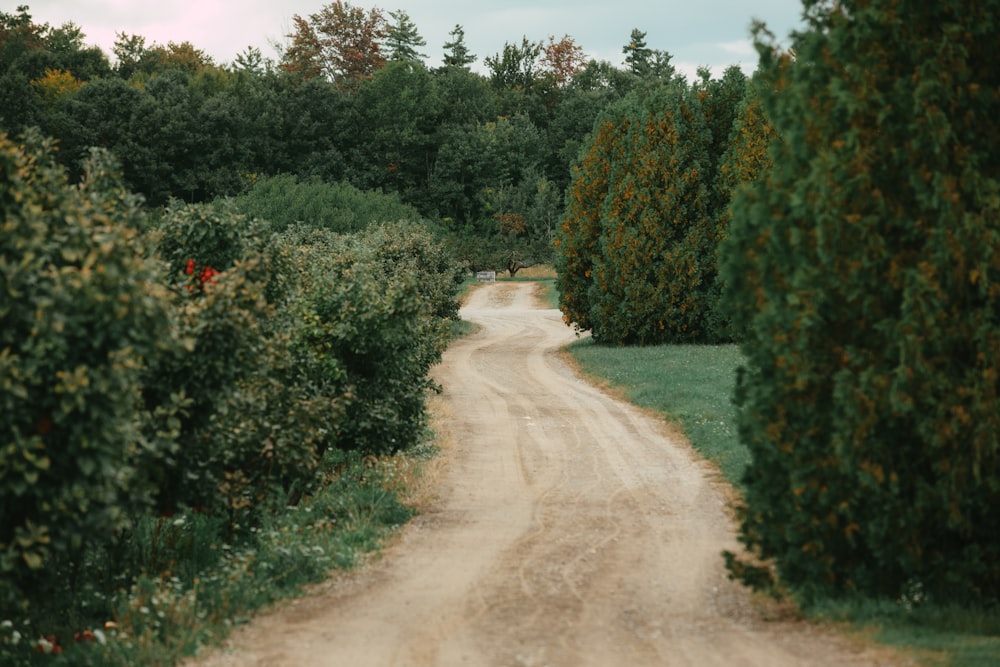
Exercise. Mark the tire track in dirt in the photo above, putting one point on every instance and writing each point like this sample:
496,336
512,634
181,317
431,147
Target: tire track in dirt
570,529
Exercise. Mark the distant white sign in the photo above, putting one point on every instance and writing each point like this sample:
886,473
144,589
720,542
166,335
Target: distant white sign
487,276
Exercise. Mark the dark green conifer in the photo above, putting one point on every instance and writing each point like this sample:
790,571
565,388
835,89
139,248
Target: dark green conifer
867,264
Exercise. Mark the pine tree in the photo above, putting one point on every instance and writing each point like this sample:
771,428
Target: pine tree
456,52
637,54
403,40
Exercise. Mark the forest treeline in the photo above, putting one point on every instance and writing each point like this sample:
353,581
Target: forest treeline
348,101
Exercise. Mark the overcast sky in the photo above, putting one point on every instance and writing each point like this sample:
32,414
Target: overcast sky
715,33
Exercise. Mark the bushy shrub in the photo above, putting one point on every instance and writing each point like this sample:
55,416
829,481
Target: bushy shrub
867,268
407,249
252,430
369,322
82,315
285,200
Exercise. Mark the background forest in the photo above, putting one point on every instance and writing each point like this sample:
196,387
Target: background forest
484,158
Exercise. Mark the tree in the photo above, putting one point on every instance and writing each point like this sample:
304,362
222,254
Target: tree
515,66
57,85
130,52
563,59
304,56
19,34
251,61
183,56
747,158
638,55
313,128
456,52
578,237
465,97
40,67
653,276
645,62
396,133
592,90
403,40
865,266
102,111
340,42
165,141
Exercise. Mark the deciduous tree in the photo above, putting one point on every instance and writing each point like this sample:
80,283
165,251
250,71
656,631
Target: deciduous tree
341,42
563,59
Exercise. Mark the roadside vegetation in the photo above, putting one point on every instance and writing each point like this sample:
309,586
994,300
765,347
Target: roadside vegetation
222,287
839,227
692,386
202,411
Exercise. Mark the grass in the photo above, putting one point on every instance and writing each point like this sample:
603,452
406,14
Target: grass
692,386
195,583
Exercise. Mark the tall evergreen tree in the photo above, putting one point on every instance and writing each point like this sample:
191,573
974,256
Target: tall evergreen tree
654,271
637,54
456,52
403,39
868,265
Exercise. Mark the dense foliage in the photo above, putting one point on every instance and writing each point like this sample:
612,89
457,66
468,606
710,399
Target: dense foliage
349,100
636,250
81,316
864,269
188,361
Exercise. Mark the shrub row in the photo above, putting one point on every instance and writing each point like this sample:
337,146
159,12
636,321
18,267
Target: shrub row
864,269
191,360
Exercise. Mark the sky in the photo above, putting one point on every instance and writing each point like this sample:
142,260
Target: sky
713,33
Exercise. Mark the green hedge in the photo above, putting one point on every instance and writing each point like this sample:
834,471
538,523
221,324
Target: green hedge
865,269
81,318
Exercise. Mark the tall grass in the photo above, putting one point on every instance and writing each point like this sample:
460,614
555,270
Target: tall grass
692,386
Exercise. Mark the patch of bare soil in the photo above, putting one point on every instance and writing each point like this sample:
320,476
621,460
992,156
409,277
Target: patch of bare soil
568,528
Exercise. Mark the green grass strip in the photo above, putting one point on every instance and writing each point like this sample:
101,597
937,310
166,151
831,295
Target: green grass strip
690,385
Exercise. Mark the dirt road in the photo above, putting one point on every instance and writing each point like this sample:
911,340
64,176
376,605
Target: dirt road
569,529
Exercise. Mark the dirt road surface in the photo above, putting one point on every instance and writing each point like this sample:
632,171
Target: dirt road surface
568,529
